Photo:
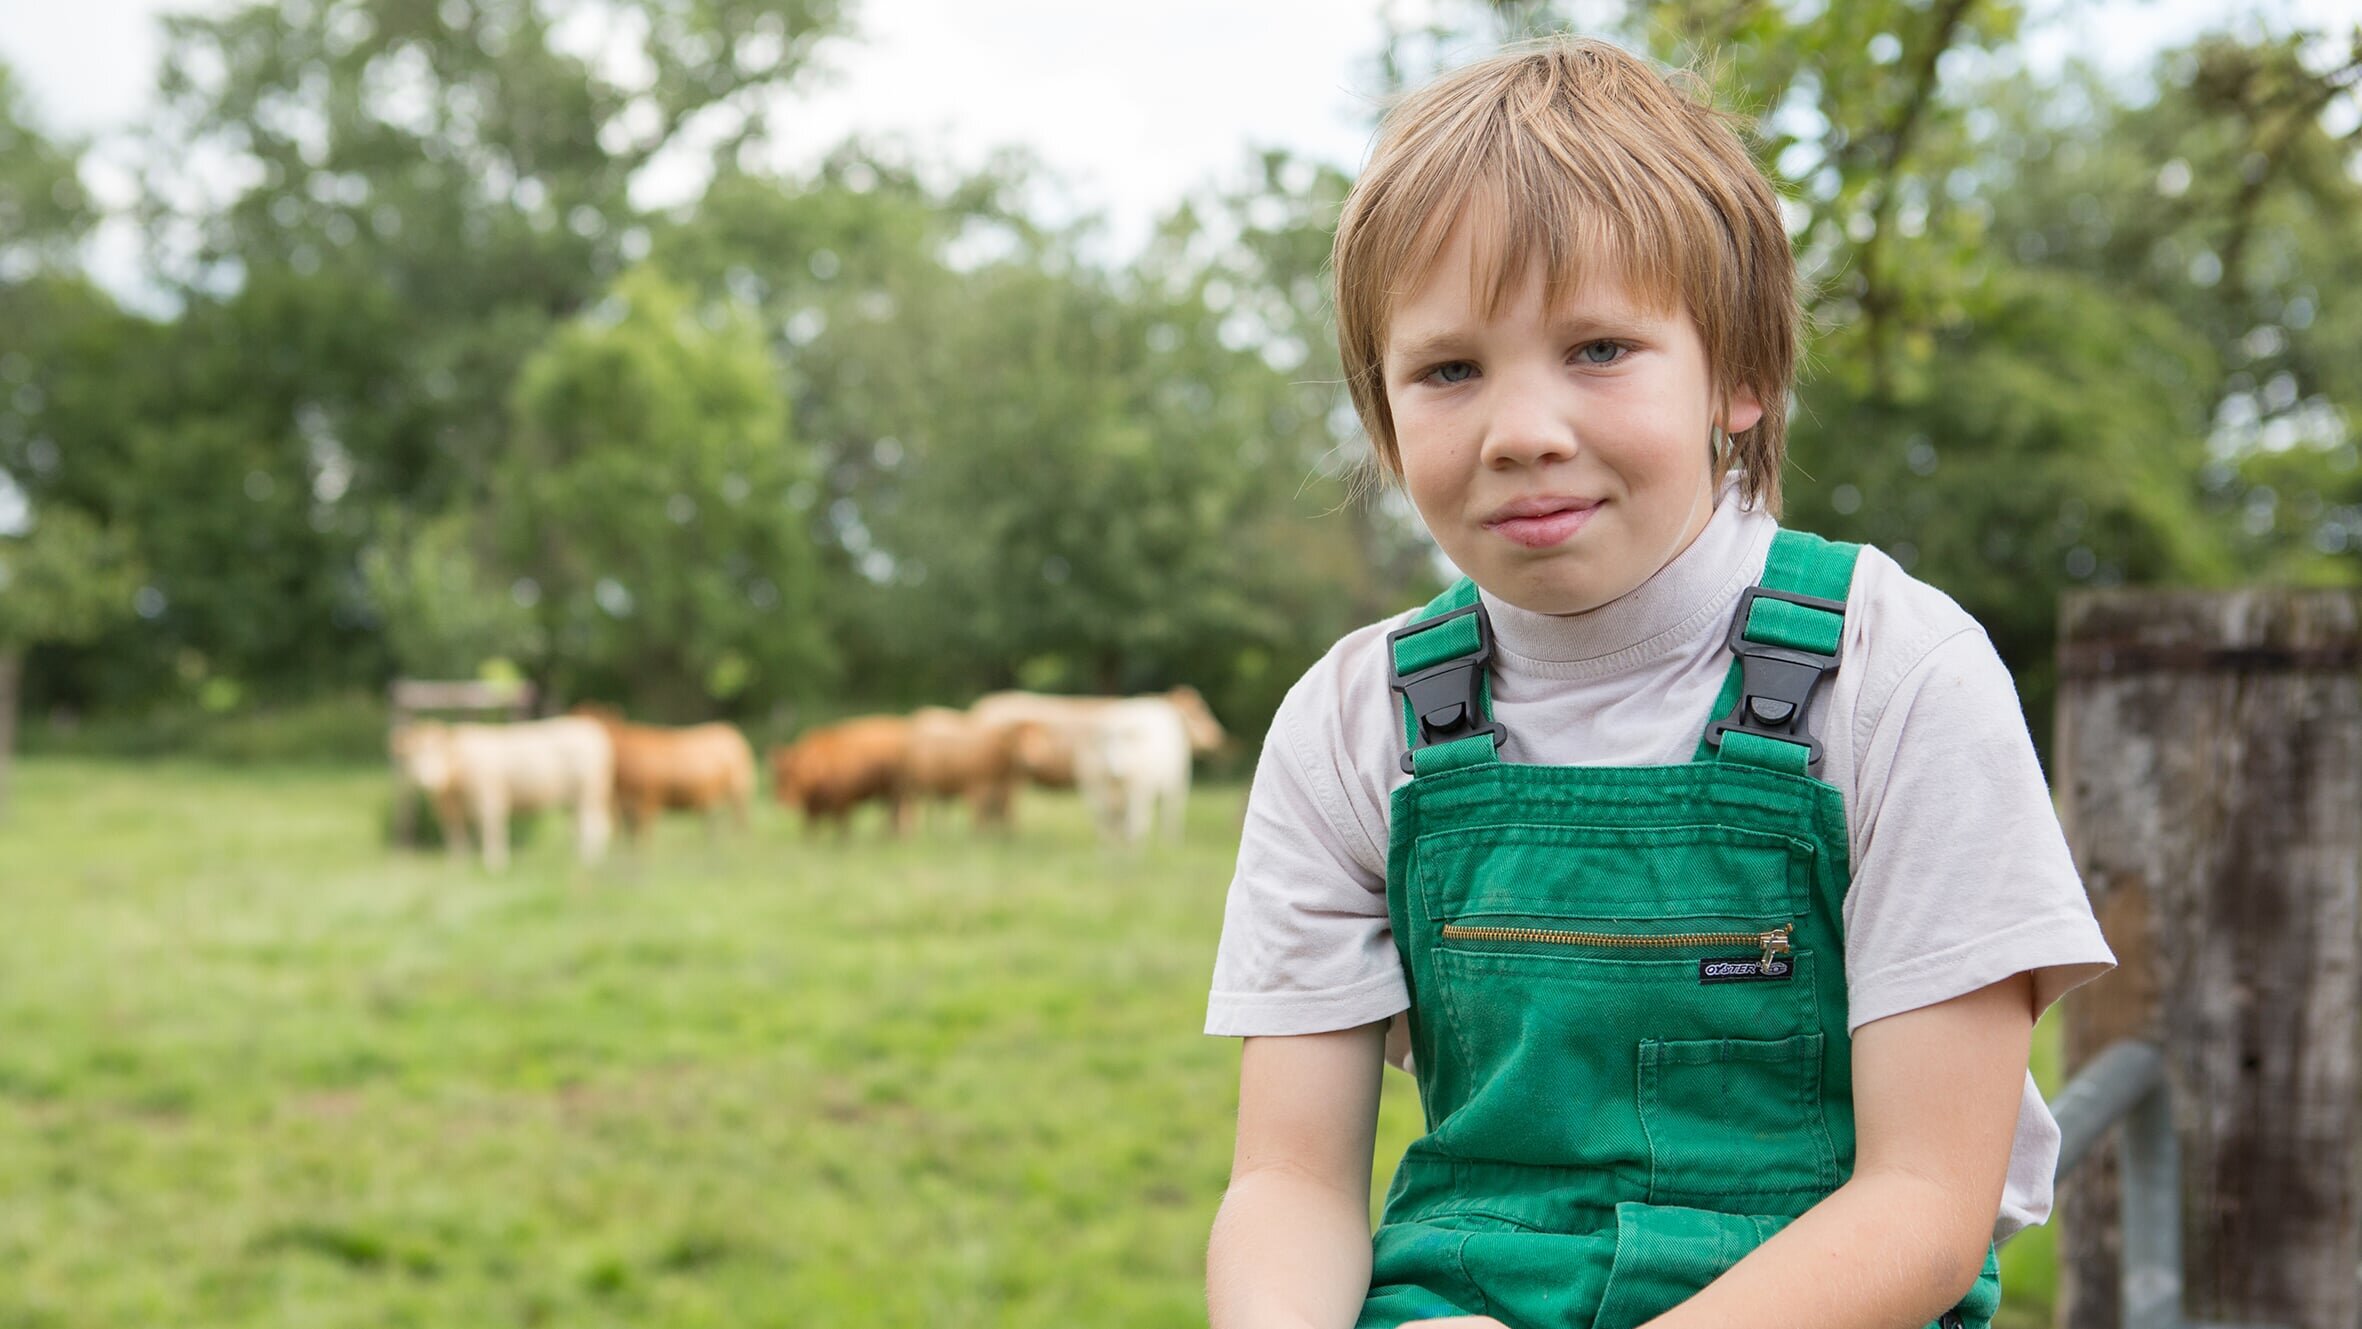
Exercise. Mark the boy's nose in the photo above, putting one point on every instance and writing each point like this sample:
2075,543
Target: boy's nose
1527,429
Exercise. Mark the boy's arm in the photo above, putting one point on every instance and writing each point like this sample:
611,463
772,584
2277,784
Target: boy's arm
1291,1246
1936,1094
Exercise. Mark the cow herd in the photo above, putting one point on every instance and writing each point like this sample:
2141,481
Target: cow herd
1128,757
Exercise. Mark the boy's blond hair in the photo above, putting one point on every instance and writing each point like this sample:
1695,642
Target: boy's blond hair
1582,157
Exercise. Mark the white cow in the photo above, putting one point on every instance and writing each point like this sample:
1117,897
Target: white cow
1131,761
1048,756
483,772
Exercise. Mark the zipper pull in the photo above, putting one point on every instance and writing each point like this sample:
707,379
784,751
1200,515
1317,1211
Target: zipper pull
1775,942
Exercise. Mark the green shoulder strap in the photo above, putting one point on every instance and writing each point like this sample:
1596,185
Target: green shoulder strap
1442,667
1785,637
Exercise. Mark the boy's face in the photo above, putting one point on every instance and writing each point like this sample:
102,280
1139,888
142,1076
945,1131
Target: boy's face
1560,456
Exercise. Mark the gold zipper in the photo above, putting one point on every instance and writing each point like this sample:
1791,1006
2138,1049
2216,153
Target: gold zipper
1774,942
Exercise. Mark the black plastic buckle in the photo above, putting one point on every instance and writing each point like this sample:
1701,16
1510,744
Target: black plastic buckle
1775,682
1447,698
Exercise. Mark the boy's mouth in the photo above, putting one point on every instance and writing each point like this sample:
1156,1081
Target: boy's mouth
1538,523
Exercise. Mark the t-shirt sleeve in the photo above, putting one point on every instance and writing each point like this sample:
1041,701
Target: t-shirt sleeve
1306,944
1962,875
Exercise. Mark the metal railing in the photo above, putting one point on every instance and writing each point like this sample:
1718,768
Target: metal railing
2126,1085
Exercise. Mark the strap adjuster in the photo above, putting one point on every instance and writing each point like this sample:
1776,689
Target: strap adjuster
1446,698
1775,682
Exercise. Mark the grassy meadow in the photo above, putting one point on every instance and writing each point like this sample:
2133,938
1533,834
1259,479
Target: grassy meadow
257,1069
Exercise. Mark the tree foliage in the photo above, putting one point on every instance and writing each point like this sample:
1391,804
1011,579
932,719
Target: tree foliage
63,582
368,213
2228,203
1033,470
441,603
487,330
649,505
42,205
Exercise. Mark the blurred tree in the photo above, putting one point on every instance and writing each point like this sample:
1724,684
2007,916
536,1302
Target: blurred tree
847,271
2229,195
452,176
1103,494
64,578
43,216
364,215
2066,332
2050,435
1267,246
62,582
43,210
440,600
1034,470
647,505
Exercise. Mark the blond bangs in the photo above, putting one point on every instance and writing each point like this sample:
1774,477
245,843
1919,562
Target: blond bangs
1578,157
1574,240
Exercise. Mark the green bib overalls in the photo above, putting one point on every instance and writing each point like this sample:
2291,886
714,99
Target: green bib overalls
1627,986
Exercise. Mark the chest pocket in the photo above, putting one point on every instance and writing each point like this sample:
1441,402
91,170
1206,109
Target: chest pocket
1629,1000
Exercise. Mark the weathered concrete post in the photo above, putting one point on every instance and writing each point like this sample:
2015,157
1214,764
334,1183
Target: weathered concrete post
2209,768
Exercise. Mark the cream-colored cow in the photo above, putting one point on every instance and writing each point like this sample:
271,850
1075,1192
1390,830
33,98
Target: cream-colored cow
1132,764
1048,755
481,773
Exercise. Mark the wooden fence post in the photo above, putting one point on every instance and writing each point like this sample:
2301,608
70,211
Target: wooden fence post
2209,768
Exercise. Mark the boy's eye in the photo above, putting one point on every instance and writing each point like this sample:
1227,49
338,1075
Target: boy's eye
1600,352
1456,371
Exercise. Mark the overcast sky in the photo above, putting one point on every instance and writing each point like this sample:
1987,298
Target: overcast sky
1132,103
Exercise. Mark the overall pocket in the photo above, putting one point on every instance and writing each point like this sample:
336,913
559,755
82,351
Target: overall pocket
1664,1254
1732,1117
1539,1038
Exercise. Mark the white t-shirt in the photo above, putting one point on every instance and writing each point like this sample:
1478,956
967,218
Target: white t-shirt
1961,875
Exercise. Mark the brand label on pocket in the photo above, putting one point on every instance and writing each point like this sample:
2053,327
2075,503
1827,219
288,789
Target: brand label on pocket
1743,971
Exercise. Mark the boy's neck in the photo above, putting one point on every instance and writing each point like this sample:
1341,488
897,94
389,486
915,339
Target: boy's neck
1700,583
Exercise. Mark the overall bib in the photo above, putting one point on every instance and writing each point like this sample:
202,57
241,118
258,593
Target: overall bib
1627,986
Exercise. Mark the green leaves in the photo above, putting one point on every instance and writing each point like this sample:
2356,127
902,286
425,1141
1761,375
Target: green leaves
43,209
447,375
64,581
644,505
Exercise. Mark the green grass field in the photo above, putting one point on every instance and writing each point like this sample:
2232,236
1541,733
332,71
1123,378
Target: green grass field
256,1069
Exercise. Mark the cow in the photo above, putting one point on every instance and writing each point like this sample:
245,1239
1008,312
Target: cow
703,768
484,772
952,754
1048,758
1133,762
831,770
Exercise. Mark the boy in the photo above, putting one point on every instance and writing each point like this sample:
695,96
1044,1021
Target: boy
1711,862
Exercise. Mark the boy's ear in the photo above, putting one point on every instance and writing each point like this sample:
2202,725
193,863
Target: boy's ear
1742,411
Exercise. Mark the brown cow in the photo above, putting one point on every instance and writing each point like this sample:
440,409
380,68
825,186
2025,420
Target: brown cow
954,755
833,769
701,768
1047,757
